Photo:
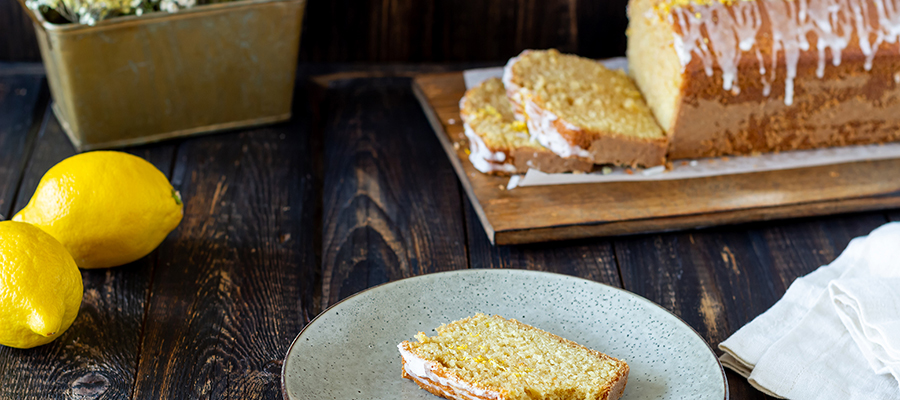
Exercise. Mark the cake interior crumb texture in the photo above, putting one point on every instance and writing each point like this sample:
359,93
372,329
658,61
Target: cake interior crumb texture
519,361
653,63
586,94
488,112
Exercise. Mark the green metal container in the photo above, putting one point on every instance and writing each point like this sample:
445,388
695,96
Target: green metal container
139,79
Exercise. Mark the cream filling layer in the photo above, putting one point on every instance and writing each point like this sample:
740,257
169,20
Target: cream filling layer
423,370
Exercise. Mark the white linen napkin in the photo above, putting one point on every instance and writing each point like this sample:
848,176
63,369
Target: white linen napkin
836,332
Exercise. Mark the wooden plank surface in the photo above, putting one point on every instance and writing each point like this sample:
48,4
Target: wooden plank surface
23,98
233,280
17,40
391,201
592,259
529,214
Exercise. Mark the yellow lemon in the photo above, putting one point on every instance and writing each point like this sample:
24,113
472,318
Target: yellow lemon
107,208
40,286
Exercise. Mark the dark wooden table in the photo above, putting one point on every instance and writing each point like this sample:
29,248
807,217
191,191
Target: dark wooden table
282,221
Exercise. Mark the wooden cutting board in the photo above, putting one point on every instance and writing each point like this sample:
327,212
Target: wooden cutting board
545,213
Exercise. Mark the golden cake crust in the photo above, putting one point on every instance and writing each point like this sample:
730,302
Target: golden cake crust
825,105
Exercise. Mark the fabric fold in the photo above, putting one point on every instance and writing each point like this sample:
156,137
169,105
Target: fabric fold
836,332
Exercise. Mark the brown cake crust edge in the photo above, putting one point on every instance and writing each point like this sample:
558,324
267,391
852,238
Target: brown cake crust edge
709,122
606,148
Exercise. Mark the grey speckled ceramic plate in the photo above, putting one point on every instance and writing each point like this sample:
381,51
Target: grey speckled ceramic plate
350,350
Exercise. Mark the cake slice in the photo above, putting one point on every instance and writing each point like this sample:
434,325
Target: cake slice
577,107
485,357
498,143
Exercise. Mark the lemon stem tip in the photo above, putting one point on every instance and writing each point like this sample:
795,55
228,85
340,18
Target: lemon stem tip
177,196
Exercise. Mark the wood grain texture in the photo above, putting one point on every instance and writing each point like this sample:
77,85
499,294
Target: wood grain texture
391,202
23,99
601,28
234,278
418,31
699,277
718,280
531,214
592,259
798,247
97,356
17,40
436,30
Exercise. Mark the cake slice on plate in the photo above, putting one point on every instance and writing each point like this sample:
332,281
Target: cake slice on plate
576,107
485,357
498,143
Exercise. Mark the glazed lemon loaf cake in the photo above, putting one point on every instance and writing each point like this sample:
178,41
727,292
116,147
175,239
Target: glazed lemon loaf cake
485,357
749,76
500,144
576,107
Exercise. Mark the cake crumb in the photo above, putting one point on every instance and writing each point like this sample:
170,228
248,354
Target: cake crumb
629,171
725,158
834,174
451,121
456,145
501,187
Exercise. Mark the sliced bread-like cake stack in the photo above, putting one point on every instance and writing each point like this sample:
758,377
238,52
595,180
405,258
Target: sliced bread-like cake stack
498,143
576,107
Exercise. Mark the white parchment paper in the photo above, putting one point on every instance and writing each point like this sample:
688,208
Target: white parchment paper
688,169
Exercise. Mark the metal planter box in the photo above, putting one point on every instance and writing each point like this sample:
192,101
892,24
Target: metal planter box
140,79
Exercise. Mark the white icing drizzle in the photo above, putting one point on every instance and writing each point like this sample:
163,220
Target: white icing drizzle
515,92
481,156
720,34
540,125
423,370
539,121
